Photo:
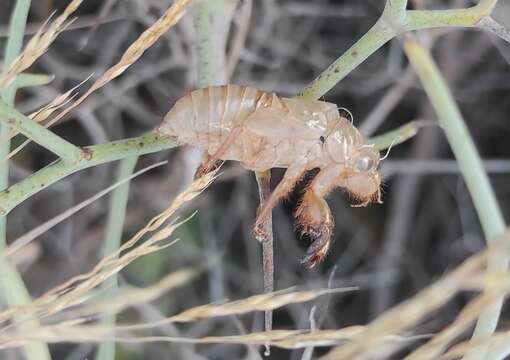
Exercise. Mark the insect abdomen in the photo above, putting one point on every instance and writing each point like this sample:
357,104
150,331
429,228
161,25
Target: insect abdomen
205,117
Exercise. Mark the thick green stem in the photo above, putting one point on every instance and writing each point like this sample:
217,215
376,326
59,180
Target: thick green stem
471,167
29,80
39,133
486,5
212,19
384,30
426,19
113,236
12,285
396,9
96,155
376,37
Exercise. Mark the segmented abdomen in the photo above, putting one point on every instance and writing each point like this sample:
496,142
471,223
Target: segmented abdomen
205,117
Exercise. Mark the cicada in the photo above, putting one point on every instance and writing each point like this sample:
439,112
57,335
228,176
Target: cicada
263,131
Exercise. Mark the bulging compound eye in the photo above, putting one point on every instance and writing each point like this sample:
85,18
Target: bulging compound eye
366,162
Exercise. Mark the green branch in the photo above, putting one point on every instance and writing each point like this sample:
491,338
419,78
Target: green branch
29,80
376,37
98,154
486,5
39,133
13,288
212,20
395,137
386,29
112,240
471,167
396,9
427,19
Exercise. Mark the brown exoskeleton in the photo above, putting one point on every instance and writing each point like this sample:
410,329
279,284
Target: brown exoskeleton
264,131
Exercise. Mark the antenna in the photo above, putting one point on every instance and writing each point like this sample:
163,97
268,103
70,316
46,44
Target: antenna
389,148
346,111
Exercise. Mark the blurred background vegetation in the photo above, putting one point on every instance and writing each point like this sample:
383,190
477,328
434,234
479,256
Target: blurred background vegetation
426,226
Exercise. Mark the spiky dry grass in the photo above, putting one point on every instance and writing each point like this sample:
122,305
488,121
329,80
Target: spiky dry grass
76,290
38,44
470,275
43,113
173,14
72,308
74,329
71,304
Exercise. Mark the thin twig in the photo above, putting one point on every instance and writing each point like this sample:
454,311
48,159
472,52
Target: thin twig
264,185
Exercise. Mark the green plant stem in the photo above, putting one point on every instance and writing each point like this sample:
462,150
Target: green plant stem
212,19
113,235
376,37
13,288
471,167
395,137
97,154
39,133
29,80
386,29
395,9
487,5
427,19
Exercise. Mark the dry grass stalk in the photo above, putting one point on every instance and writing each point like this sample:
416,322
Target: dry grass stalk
173,14
288,339
171,17
77,290
261,302
410,312
42,114
131,297
467,317
38,45
74,330
60,101
24,240
498,344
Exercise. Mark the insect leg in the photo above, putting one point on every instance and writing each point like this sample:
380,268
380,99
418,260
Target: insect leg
290,178
206,166
314,216
214,159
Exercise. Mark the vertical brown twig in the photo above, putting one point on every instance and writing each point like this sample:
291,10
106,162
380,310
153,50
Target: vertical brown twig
264,185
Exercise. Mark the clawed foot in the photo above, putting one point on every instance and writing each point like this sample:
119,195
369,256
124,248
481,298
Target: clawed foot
259,232
363,204
206,168
374,198
321,240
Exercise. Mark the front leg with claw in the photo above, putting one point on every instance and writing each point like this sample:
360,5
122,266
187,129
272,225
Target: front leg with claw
314,216
292,176
315,219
